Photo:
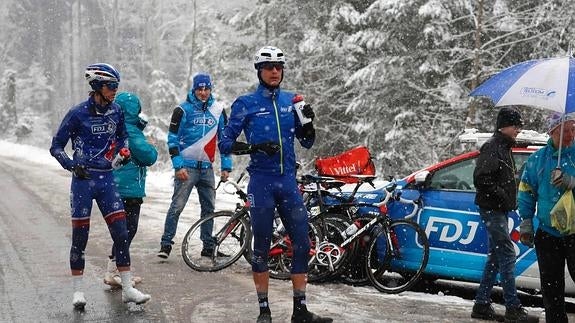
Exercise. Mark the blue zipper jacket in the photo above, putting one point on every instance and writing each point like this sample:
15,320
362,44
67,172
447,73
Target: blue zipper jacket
194,130
266,116
536,194
97,134
131,178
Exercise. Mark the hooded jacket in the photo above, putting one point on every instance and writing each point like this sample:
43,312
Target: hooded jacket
131,178
494,175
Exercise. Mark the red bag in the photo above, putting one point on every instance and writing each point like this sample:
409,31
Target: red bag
354,161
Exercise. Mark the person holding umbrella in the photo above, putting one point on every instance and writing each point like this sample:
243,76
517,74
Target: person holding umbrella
545,179
494,179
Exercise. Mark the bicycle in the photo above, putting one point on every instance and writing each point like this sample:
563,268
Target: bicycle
397,249
232,237
327,222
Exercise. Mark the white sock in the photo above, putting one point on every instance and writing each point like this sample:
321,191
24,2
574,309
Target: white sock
126,277
78,283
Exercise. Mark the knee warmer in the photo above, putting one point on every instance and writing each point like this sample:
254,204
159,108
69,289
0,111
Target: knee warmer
260,256
79,241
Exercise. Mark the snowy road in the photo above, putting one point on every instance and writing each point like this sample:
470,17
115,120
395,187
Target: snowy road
34,275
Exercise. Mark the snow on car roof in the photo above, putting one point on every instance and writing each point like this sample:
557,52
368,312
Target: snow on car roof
525,137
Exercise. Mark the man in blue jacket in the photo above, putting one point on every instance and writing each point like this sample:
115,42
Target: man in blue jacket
540,188
130,179
270,125
195,127
97,132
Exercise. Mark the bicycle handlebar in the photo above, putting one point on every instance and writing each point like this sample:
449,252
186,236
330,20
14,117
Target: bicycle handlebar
397,197
232,183
236,186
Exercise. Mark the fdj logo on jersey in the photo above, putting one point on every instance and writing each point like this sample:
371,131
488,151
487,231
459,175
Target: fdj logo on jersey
204,121
103,128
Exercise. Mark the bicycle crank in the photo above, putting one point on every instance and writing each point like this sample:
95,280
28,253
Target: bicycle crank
329,254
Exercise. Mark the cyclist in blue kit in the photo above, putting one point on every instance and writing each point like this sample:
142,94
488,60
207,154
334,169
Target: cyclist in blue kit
269,123
97,132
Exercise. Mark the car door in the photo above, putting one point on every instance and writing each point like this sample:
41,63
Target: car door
450,218
451,221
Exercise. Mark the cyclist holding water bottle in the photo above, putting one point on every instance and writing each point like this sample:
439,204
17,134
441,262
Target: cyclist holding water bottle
271,126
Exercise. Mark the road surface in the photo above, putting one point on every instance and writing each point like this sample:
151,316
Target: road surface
35,284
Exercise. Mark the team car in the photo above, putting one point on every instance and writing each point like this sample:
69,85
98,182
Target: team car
457,237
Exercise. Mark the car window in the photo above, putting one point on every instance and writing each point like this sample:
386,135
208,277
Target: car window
457,176
520,159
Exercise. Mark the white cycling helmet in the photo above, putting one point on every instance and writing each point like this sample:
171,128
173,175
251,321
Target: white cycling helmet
269,54
100,73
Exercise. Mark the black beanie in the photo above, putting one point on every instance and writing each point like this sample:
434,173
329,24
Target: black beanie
508,117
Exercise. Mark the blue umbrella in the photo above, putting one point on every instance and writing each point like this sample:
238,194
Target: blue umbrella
545,83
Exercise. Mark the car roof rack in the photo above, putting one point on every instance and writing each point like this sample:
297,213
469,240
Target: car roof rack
525,138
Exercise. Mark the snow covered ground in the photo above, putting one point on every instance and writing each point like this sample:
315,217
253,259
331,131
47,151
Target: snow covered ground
334,298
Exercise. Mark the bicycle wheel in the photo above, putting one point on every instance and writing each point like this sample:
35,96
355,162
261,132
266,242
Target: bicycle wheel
397,256
280,254
232,235
355,273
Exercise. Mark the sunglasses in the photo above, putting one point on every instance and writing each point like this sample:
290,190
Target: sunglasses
112,85
271,66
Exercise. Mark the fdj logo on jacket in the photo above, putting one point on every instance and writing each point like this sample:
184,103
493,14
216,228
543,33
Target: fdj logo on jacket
103,128
204,121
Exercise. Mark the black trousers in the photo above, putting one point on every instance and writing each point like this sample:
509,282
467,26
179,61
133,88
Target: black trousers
552,253
132,209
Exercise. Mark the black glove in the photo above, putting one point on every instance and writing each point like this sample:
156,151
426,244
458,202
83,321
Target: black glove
81,172
241,148
308,131
307,112
269,148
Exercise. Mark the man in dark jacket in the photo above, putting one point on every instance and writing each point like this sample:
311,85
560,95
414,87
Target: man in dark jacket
494,179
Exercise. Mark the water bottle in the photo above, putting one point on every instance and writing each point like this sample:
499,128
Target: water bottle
120,158
298,104
351,230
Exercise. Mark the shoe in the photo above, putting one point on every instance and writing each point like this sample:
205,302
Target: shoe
165,251
112,275
486,312
308,317
114,280
79,301
132,295
264,318
519,315
135,280
210,253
